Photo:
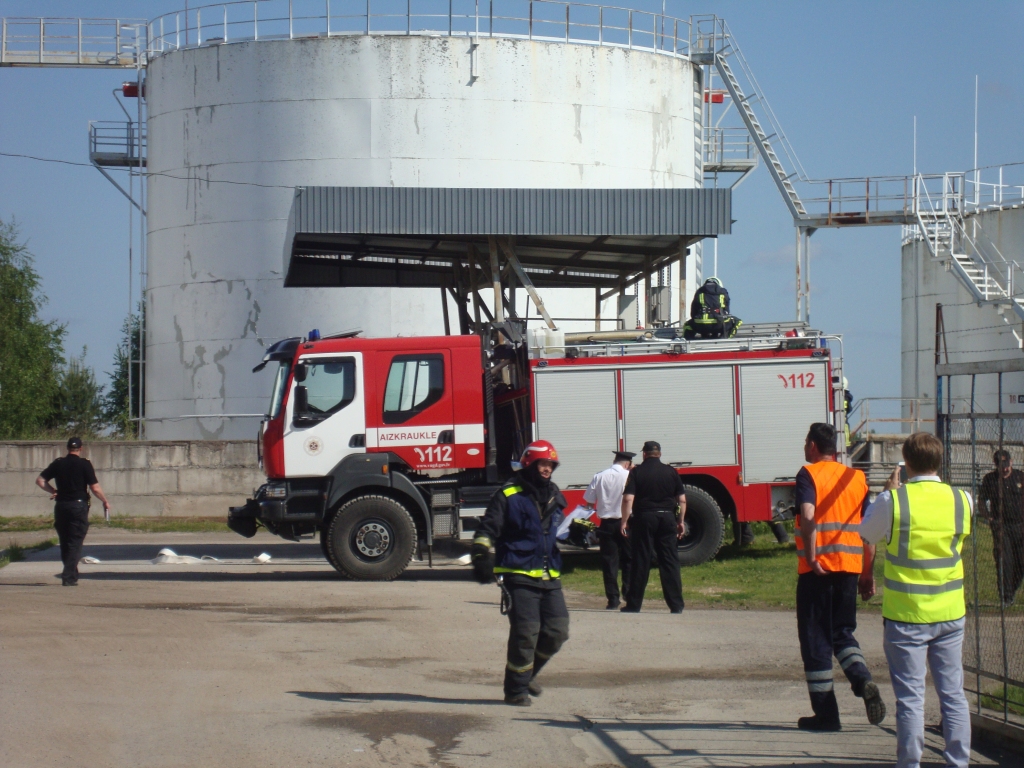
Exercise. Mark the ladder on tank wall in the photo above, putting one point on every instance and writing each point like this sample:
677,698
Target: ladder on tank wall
972,255
713,45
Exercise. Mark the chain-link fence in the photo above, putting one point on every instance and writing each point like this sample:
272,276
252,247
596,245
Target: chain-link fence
993,555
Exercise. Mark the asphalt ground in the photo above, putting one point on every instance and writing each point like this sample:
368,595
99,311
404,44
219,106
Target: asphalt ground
285,664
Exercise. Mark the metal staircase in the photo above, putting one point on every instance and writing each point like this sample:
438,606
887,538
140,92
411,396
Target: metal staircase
712,44
972,255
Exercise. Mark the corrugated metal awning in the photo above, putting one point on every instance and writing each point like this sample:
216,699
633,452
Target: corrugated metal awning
417,236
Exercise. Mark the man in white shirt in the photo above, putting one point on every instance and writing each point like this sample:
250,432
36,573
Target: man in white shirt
923,604
605,495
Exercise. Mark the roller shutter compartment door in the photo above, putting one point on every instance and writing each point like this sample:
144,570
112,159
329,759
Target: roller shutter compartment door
690,410
576,413
778,404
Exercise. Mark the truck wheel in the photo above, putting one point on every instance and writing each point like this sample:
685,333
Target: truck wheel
705,528
325,545
371,538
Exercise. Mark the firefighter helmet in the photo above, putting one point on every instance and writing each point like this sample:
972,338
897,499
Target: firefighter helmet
537,450
714,280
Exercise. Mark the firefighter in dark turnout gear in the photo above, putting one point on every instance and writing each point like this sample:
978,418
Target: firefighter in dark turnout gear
709,313
521,524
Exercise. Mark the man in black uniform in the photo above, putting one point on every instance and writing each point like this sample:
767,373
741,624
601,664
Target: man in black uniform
1002,502
653,508
521,523
75,477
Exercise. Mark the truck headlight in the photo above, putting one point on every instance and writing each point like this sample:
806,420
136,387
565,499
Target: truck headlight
275,491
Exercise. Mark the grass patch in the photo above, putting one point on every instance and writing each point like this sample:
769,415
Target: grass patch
25,524
164,524
15,553
761,576
1014,699
141,524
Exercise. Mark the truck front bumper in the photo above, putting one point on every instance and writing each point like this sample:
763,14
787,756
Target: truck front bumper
242,520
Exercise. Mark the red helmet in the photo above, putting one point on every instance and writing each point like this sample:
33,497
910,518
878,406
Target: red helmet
539,449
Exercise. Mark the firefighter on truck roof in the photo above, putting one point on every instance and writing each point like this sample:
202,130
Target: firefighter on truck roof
521,524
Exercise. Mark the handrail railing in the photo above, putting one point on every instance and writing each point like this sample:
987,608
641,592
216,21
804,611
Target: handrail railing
728,145
63,42
545,20
860,413
117,143
982,195
711,35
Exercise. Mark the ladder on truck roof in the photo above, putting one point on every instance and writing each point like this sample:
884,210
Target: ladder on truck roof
750,342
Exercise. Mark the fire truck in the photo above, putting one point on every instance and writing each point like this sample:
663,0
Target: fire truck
380,446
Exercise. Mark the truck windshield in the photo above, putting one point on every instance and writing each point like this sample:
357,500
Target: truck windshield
278,394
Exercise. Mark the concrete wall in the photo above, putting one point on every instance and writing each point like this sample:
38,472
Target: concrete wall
378,110
973,332
141,479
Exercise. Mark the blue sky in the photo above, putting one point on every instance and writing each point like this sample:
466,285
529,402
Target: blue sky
845,79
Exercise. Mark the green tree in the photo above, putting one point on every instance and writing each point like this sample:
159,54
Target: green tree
31,350
78,403
116,403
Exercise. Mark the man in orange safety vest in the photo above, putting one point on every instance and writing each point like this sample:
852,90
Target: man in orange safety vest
830,498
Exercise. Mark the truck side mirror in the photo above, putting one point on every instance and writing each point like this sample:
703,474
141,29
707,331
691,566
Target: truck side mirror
301,403
300,372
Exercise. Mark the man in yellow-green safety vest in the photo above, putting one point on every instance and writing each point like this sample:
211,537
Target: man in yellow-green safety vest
923,524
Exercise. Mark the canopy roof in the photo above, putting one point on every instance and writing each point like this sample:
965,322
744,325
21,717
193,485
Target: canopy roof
422,236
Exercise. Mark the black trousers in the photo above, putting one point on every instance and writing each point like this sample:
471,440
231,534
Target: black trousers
538,625
615,554
653,535
1008,551
71,519
826,617
721,328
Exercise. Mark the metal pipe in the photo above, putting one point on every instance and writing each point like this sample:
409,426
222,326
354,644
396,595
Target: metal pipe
513,261
499,313
799,279
582,337
807,276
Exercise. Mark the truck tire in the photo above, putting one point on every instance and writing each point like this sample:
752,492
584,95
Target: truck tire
325,545
705,528
371,538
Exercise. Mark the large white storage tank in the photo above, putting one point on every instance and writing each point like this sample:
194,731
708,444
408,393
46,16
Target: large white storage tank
235,127
973,331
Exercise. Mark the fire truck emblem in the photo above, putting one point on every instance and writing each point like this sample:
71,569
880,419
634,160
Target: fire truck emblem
313,446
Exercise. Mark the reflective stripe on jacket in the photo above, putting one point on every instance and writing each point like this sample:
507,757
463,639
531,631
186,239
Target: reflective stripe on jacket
839,498
924,575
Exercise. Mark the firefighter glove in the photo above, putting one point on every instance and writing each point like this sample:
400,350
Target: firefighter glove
483,564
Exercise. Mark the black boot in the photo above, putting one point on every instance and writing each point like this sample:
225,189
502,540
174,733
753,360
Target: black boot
826,713
816,723
534,687
519,700
873,703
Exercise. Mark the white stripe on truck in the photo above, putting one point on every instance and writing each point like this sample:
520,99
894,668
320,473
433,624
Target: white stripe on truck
387,437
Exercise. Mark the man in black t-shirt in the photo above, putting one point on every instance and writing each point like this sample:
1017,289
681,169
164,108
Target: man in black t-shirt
653,507
75,477
1002,503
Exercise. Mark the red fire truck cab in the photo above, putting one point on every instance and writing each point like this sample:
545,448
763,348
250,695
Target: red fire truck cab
382,445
